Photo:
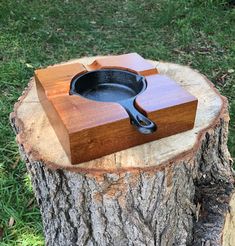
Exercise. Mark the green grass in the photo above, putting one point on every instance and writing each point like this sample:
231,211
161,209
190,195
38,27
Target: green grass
35,34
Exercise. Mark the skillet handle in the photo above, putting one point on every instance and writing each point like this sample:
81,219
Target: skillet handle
143,124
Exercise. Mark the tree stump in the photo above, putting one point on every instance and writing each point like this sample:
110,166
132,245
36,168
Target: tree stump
173,191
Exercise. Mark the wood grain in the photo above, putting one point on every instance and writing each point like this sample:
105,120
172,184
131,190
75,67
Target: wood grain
39,136
88,129
132,62
55,80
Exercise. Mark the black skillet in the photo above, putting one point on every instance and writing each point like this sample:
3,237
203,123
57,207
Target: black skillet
113,85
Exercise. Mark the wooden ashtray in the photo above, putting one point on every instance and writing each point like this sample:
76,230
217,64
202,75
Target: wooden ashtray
88,128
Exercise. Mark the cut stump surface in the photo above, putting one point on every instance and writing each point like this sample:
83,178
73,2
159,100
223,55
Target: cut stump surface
173,191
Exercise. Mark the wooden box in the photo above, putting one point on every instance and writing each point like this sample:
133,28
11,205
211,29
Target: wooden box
88,129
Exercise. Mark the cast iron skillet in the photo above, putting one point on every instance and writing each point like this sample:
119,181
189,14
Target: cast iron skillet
113,85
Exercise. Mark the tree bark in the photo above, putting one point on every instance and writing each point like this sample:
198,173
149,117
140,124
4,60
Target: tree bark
174,191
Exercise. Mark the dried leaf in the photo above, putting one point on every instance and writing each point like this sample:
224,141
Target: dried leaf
178,51
30,203
29,65
11,221
16,162
221,78
231,71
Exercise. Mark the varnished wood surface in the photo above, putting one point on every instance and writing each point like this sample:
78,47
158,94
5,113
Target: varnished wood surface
78,113
88,129
55,80
162,92
38,138
132,62
111,137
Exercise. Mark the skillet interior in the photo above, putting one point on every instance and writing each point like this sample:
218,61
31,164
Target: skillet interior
108,85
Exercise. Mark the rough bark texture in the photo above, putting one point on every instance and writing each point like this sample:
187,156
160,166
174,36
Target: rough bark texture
183,202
